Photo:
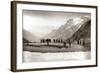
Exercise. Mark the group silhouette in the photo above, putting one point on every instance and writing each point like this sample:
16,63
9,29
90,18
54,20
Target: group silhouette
48,41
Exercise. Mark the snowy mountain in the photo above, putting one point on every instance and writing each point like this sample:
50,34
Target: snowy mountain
82,32
68,29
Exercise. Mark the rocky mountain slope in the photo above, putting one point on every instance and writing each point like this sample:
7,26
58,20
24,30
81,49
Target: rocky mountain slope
68,29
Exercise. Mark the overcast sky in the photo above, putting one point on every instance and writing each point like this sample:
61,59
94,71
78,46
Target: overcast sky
41,23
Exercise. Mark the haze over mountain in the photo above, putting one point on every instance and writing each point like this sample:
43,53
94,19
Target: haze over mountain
64,31
28,36
68,29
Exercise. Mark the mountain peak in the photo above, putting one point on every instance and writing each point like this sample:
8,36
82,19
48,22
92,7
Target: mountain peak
68,29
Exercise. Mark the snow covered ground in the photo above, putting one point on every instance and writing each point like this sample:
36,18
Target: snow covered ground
60,56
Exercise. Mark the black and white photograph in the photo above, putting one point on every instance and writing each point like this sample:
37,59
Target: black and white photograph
52,36
56,36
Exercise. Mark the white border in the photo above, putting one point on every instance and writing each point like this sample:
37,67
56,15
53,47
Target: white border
21,65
